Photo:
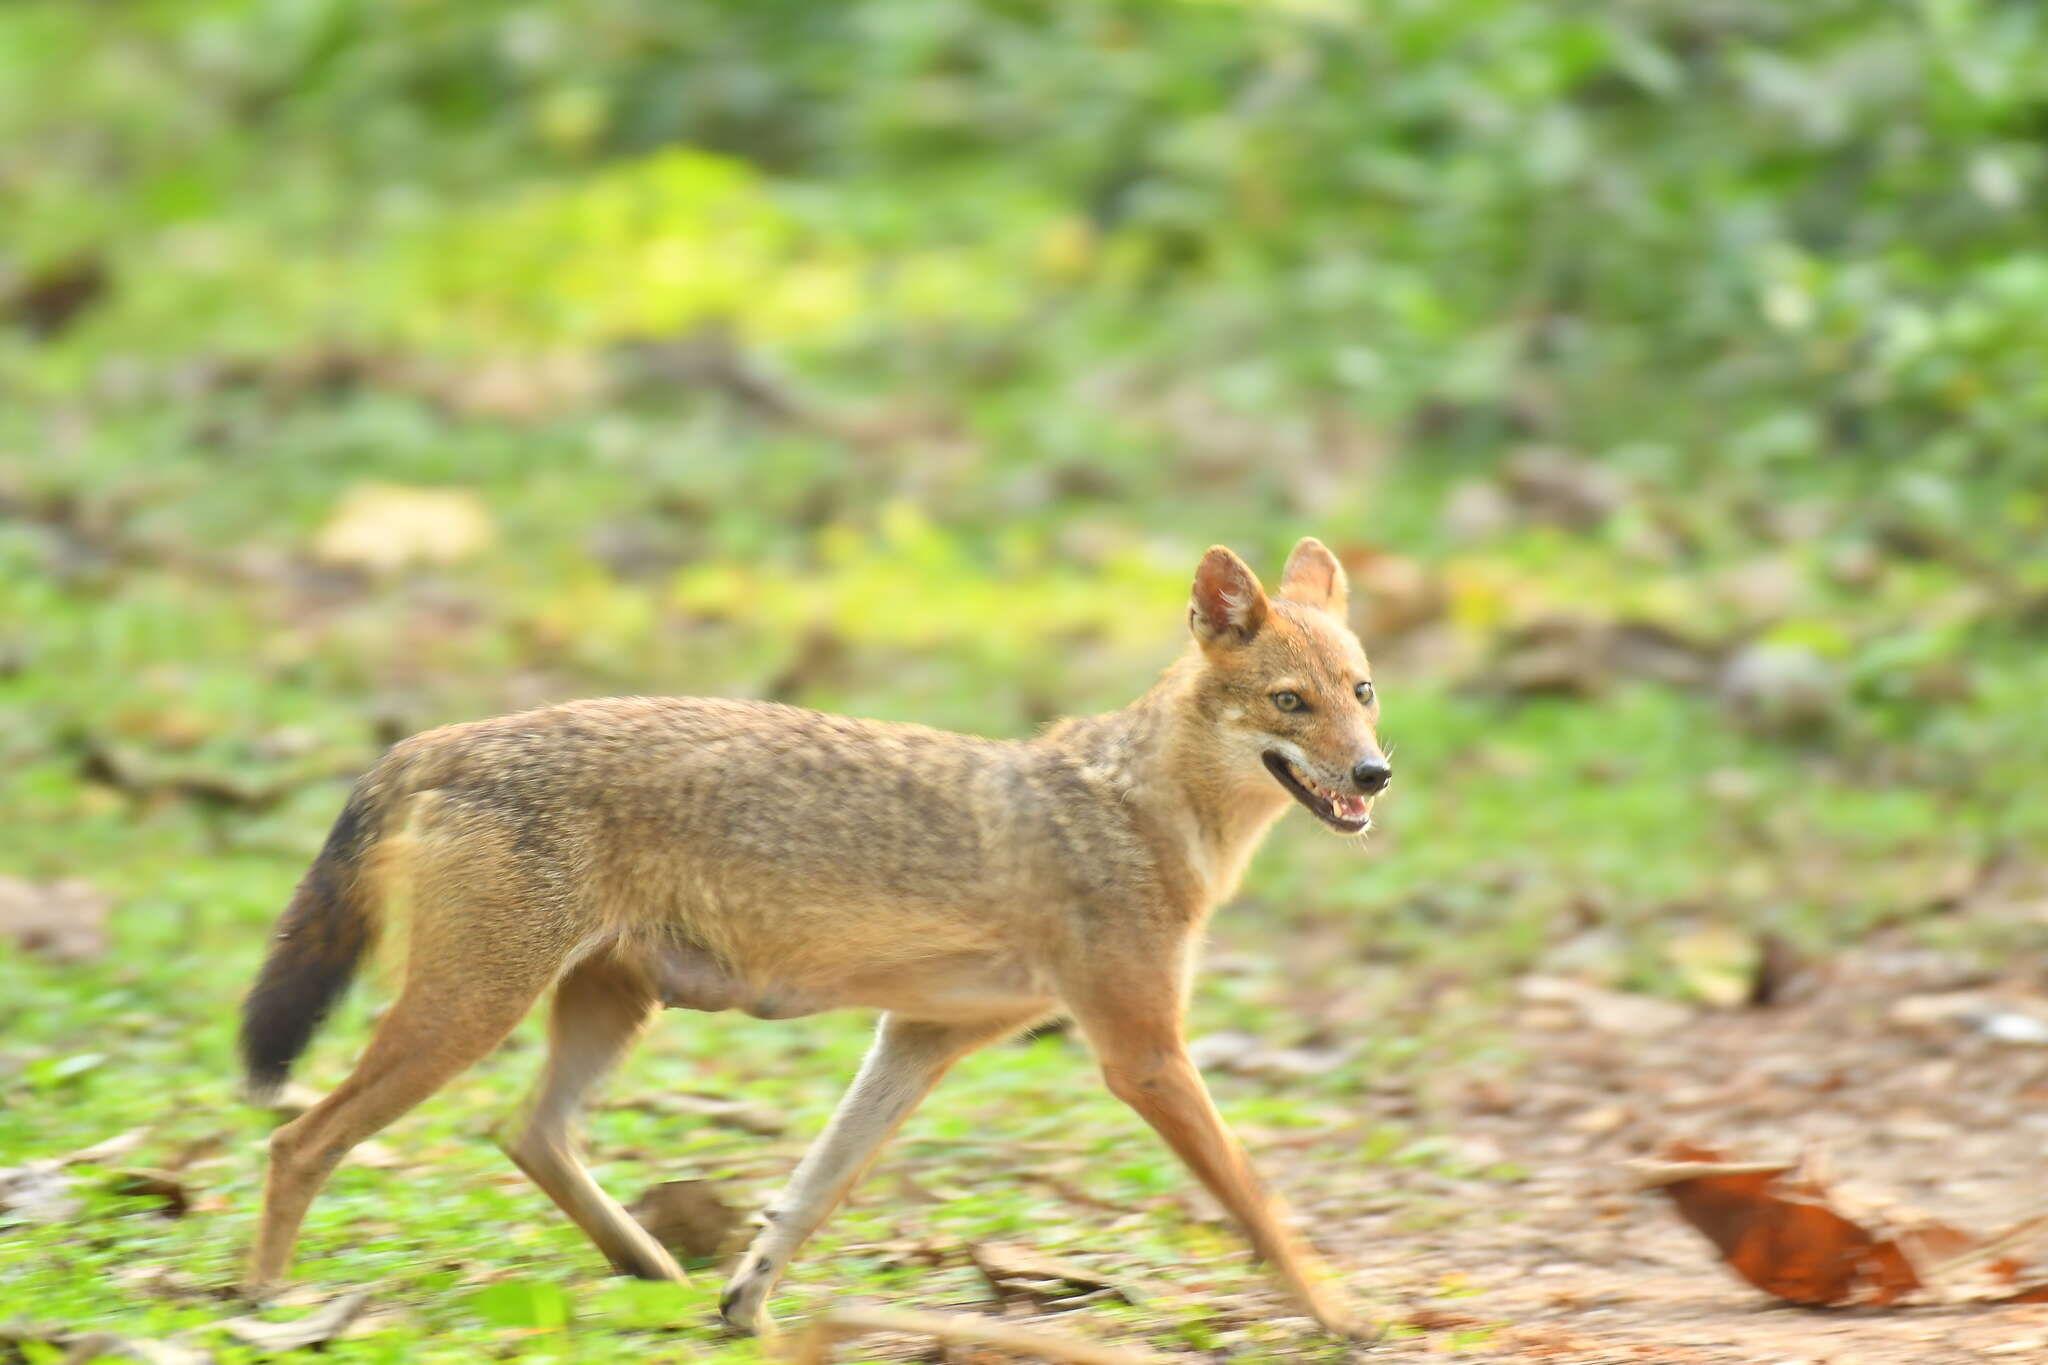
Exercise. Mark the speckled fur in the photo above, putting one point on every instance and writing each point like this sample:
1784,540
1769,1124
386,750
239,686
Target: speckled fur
714,854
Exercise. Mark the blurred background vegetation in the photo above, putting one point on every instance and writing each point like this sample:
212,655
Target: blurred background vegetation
1670,375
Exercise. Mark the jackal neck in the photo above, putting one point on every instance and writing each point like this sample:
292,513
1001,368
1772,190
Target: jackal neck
1163,753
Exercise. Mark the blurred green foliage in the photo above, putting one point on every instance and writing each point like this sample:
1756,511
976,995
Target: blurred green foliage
901,358
1744,230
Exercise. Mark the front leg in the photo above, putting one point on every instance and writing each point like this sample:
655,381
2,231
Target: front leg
906,1061
1134,1025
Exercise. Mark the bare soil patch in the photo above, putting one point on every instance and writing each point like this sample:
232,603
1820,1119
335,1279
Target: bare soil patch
1913,1104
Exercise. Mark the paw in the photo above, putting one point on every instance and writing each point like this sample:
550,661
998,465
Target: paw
255,1293
743,1307
1339,1323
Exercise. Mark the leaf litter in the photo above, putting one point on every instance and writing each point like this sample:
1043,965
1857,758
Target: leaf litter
686,1216
315,1329
814,1345
1020,1274
1779,1227
61,921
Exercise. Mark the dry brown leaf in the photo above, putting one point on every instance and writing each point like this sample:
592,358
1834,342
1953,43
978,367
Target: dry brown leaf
1246,1055
94,1346
1391,594
36,1193
150,775
61,921
312,1330
1775,1227
1568,490
906,1253
1558,654
106,1149
1020,1274
373,1155
813,1346
915,1191
687,1217
731,1113
1074,1194
1609,1011
1717,962
1782,690
40,1191
197,1150
46,301
2006,1020
384,527
173,1199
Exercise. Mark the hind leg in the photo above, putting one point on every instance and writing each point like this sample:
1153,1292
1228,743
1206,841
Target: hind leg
484,946
424,1042
600,1008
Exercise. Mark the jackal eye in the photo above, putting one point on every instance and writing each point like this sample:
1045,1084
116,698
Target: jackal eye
1287,701
1364,693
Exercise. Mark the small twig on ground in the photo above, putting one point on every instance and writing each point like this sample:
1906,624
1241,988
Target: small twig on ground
813,1346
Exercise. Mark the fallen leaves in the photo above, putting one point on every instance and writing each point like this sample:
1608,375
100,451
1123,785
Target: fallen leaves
2002,1019
814,1345
154,777
385,527
97,1346
169,1194
1246,1055
687,1217
1777,1227
48,300
1783,691
1718,963
720,1109
315,1329
1391,594
36,1192
61,921
1618,1012
42,1191
1573,655
1019,1274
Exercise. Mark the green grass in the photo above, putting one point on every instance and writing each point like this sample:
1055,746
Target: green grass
193,638
1032,305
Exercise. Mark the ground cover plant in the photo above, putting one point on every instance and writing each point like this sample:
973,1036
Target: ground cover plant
1669,377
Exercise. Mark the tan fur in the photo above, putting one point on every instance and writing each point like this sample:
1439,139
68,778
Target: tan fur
640,852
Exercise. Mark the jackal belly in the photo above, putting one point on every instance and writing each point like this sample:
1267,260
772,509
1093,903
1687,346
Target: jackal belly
957,986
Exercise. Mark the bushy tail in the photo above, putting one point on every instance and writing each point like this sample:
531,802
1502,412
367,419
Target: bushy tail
320,940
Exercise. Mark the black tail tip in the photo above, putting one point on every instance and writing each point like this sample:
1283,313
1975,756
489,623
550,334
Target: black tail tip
271,1041
279,1020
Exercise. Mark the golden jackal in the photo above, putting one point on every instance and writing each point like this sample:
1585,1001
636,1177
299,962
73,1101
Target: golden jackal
643,853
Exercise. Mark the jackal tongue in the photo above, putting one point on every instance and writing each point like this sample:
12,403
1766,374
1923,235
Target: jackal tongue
1345,807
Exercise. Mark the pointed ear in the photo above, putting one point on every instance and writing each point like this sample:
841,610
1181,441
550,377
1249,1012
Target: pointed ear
1228,605
1314,578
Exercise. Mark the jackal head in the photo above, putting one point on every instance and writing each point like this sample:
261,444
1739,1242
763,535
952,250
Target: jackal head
1285,686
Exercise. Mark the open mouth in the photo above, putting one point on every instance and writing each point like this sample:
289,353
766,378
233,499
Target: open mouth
1347,814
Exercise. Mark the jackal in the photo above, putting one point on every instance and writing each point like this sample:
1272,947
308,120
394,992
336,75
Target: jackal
641,853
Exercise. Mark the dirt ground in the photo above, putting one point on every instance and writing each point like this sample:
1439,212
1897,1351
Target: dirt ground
1877,1065
1929,1115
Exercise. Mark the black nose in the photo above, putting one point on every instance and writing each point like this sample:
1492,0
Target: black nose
1372,774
